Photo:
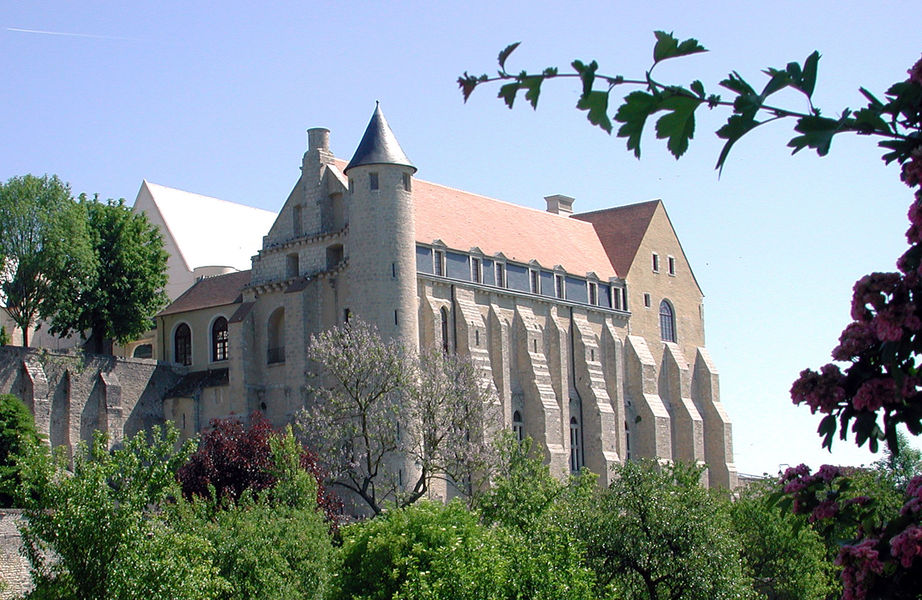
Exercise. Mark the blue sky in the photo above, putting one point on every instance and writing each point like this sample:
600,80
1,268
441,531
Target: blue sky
215,98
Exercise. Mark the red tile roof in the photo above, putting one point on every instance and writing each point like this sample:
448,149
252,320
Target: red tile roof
210,291
463,220
621,230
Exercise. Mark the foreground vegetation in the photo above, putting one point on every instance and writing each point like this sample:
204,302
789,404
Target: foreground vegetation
244,514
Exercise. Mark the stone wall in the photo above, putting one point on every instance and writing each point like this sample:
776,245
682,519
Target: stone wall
14,568
71,395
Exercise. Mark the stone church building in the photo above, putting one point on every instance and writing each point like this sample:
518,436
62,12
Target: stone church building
589,326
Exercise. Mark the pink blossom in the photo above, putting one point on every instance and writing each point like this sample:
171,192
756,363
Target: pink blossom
856,339
859,562
824,510
821,391
874,290
915,73
907,545
913,502
875,393
827,473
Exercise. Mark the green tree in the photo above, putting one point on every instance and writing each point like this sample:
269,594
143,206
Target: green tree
126,290
98,533
532,513
271,544
17,437
783,557
425,551
45,252
655,534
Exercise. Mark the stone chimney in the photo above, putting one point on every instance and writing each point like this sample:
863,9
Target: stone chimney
559,204
318,144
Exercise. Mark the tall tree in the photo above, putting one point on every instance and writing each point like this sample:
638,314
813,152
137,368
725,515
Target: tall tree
45,252
375,404
127,287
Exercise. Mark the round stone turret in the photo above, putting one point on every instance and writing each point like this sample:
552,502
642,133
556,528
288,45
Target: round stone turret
381,243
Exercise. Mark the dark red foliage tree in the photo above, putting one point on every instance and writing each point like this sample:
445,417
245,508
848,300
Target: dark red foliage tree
234,456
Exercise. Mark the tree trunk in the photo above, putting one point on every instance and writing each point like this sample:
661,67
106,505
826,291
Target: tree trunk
25,336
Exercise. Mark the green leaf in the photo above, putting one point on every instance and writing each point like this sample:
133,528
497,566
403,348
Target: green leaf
827,425
678,125
737,126
779,80
817,134
735,83
868,120
698,88
532,86
596,102
586,74
633,113
508,92
872,99
467,83
505,54
808,80
667,46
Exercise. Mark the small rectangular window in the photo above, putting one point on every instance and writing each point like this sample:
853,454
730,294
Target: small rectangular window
395,318
559,287
646,300
438,263
373,181
406,181
624,299
655,262
593,293
394,270
671,263
476,273
500,275
535,281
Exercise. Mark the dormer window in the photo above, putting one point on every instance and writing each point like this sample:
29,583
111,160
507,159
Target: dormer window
476,270
500,275
593,293
438,263
373,181
559,286
534,281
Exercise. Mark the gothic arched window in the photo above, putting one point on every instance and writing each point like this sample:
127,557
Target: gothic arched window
444,314
275,347
666,321
518,426
182,345
219,339
576,446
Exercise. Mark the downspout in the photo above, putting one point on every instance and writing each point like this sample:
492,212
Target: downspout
454,319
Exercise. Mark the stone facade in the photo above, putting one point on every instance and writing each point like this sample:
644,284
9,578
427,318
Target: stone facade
589,326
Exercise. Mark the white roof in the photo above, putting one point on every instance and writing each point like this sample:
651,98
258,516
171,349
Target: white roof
207,231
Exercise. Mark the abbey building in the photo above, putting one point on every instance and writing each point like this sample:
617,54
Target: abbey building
589,326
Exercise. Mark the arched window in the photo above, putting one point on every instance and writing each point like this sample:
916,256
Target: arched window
275,352
576,446
219,339
444,315
143,351
182,345
666,321
518,426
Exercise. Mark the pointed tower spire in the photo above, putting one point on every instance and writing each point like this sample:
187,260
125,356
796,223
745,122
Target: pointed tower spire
379,146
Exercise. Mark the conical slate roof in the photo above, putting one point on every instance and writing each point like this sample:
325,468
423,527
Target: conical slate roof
379,146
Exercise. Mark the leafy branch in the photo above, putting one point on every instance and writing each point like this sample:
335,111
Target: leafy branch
888,119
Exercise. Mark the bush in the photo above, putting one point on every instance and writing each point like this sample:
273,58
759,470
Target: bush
17,433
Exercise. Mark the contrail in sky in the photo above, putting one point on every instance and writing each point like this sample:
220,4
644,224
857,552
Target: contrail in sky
68,34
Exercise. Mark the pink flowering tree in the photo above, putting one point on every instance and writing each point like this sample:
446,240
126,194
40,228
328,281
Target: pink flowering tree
874,385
